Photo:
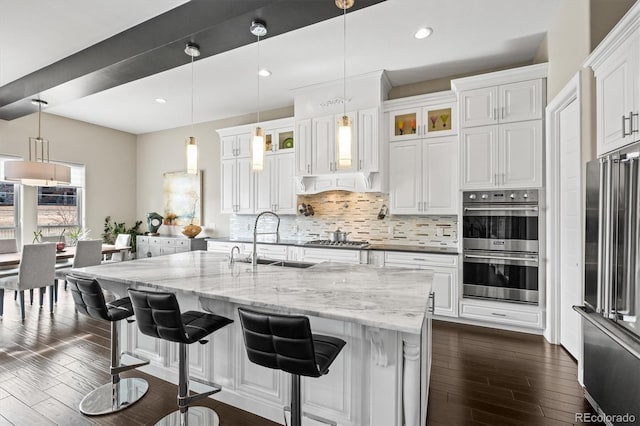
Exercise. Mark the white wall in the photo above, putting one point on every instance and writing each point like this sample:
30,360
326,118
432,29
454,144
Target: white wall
109,156
164,151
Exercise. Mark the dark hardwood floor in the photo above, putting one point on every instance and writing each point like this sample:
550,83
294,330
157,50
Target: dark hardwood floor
480,376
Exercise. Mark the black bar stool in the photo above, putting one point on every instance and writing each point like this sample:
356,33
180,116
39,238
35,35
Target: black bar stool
285,342
120,393
159,316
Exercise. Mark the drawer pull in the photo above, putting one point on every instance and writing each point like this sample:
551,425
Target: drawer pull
419,259
495,314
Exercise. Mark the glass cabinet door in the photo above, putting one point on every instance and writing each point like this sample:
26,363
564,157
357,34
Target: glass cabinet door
404,124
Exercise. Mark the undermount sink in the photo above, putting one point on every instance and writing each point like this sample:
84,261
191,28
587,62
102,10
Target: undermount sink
283,263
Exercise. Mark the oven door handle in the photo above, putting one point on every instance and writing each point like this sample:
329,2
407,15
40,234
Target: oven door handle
503,209
532,260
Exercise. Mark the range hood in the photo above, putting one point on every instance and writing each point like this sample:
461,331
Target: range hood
352,182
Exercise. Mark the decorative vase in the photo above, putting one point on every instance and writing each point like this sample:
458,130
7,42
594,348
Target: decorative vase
191,230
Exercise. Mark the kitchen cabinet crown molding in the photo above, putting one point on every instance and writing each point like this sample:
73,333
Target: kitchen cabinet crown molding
429,99
530,72
248,128
627,25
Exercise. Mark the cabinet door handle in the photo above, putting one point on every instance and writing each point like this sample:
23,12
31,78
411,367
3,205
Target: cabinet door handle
631,129
502,115
495,113
624,128
495,314
308,168
432,302
360,164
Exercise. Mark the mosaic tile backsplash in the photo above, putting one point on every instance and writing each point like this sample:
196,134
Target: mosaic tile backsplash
357,213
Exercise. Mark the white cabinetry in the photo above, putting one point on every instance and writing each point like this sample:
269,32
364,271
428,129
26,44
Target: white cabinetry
501,128
275,187
317,255
502,313
519,101
445,276
423,154
224,246
507,155
149,246
616,67
423,176
236,186
243,191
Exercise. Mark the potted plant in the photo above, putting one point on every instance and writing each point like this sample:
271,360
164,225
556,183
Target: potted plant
112,229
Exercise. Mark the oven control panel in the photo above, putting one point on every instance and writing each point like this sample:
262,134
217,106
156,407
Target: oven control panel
529,196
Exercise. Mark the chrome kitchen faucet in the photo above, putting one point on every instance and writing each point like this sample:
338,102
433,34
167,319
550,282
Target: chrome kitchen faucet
254,255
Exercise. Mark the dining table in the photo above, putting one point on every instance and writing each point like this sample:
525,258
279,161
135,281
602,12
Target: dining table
13,259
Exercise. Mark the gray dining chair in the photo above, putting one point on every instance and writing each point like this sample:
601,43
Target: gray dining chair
37,266
88,253
123,241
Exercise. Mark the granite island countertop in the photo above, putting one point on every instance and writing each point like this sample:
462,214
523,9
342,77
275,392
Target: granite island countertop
389,298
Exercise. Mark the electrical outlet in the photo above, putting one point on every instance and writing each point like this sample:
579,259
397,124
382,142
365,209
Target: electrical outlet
248,227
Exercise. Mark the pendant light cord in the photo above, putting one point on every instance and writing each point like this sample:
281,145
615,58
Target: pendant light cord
192,95
258,74
344,57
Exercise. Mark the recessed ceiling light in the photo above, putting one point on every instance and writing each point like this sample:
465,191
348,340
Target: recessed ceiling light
161,100
423,33
264,72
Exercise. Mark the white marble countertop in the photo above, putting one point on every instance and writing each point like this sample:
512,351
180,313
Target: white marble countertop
388,298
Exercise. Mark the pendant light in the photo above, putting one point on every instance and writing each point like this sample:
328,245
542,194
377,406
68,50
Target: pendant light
38,171
344,124
259,29
192,50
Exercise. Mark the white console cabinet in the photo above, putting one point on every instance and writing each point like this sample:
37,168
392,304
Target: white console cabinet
150,246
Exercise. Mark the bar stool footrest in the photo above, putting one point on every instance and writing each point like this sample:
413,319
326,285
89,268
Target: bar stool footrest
186,401
126,367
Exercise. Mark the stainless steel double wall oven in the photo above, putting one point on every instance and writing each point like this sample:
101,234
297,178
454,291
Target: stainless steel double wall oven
501,245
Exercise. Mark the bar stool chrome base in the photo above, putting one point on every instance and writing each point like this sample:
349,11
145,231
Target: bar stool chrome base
114,397
193,416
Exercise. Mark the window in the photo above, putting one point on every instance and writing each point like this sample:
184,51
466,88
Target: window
9,200
60,208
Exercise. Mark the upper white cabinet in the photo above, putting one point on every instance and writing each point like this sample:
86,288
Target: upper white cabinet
243,191
275,187
501,128
505,156
616,67
303,147
423,176
324,137
368,123
506,103
237,145
435,120
423,154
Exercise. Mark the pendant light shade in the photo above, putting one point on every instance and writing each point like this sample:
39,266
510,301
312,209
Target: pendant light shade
257,150
258,28
192,156
38,171
344,124
344,142
192,50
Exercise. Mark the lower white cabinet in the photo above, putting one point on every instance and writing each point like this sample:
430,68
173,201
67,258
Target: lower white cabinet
224,246
445,276
317,255
148,246
502,313
423,176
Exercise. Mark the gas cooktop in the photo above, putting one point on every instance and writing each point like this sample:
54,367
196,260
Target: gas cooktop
329,243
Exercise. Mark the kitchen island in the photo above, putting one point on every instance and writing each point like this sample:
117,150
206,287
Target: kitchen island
380,378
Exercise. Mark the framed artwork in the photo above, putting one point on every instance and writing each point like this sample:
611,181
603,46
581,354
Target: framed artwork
439,120
182,198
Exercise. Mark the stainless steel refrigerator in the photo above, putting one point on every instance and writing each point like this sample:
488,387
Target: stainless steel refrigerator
611,325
